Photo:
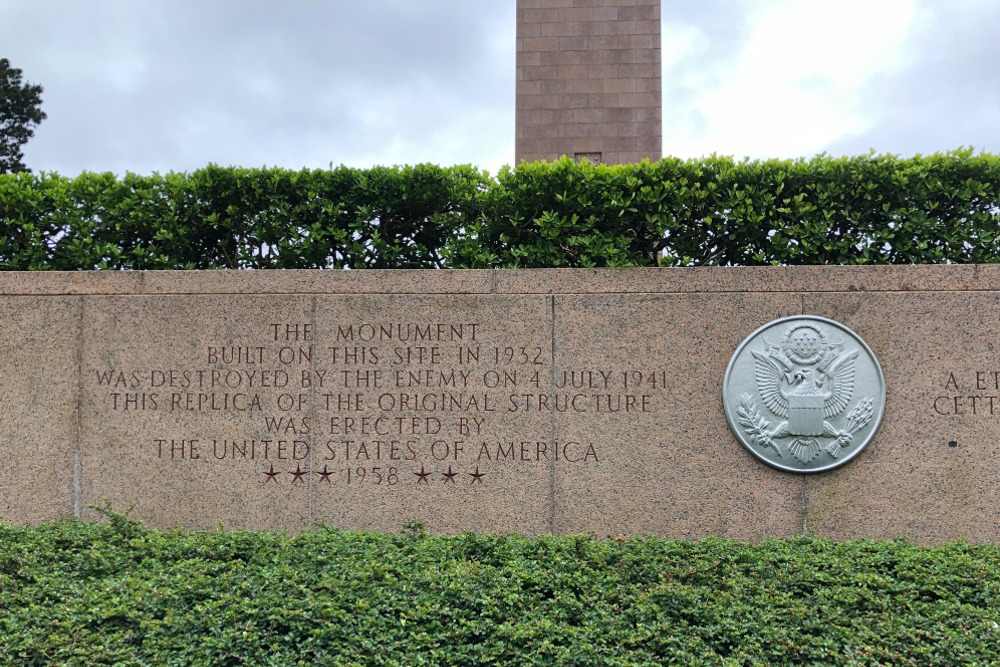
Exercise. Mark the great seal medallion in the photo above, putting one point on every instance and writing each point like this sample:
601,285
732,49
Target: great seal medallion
804,394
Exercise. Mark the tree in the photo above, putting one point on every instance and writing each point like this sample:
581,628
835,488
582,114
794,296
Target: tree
20,111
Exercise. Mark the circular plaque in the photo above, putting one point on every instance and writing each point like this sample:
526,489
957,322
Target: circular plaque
804,394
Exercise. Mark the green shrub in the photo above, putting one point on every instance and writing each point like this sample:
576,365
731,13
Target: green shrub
119,593
717,211
384,217
875,209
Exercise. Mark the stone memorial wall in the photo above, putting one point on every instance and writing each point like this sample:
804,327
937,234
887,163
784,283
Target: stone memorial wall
537,401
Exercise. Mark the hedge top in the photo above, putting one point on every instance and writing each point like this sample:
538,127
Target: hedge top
874,209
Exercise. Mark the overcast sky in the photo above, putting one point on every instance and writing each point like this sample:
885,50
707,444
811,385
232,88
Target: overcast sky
173,85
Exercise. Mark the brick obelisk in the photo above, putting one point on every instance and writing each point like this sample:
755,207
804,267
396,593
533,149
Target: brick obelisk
588,80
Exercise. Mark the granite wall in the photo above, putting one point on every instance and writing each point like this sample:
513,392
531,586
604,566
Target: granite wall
532,400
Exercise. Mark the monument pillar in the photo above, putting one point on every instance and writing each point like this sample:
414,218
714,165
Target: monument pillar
588,80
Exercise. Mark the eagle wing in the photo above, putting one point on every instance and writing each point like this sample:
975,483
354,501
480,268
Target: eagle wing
841,373
769,375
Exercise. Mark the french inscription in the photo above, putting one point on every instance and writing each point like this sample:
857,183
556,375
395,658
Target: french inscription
376,404
973,394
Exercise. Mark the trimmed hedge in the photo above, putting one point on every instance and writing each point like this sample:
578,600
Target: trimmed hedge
875,209
384,217
716,211
119,593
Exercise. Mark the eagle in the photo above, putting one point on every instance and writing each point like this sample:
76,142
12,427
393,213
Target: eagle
805,395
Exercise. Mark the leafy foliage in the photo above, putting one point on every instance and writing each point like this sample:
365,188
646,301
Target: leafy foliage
384,217
119,593
875,209
20,111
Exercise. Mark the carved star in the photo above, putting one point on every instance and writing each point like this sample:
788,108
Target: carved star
477,477
449,476
271,475
422,476
298,475
324,476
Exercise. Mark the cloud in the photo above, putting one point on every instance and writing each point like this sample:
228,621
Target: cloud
145,85
949,94
794,84
158,86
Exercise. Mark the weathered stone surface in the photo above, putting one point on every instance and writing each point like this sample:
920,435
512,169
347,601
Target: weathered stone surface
170,429
667,352
38,409
588,80
933,469
532,401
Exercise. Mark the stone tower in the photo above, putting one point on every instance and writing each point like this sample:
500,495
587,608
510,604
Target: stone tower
588,80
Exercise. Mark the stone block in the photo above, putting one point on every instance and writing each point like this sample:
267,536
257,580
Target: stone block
654,421
585,86
619,86
587,14
528,400
546,15
39,390
931,472
649,12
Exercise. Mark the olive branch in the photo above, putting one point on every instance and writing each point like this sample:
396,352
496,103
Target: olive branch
754,424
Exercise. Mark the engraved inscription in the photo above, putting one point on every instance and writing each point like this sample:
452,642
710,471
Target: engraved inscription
975,394
374,404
